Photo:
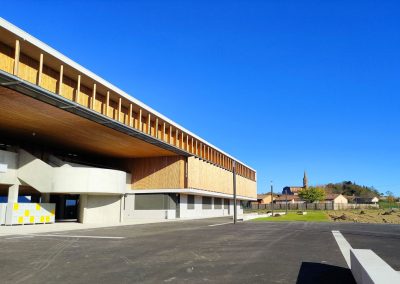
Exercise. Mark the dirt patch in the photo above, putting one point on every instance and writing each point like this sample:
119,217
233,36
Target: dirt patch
366,216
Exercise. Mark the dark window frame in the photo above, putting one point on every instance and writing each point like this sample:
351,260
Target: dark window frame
206,202
190,202
217,203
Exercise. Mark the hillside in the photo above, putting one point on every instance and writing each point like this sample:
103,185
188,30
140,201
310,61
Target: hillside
350,188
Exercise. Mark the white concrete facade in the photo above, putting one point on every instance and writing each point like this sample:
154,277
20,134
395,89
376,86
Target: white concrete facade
105,196
199,212
24,167
100,209
100,190
9,162
184,210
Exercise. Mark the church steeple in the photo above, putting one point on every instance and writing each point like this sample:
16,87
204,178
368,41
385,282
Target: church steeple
305,180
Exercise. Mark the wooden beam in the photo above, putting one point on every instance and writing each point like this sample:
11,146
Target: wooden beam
60,81
130,115
93,102
119,109
149,124
163,133
16,57
78,89
177,138
40,73
192,149
170,135
107,102
140,120
156,128
182,139
187,143
197,150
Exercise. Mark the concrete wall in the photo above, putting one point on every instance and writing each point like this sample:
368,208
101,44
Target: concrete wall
88,180
9,161
64,179
198,212
100,209
34,171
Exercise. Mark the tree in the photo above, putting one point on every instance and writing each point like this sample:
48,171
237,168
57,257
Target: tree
312,194
390,197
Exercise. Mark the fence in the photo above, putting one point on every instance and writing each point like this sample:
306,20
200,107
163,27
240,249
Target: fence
312,206
26,213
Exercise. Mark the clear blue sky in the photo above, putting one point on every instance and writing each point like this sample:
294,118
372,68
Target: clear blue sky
285,86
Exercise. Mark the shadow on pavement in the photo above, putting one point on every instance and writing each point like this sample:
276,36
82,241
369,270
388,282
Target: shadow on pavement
311,272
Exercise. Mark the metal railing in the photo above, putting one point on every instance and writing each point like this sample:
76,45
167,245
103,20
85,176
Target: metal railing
312,206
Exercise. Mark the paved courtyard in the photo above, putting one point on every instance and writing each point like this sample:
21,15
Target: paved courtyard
208,251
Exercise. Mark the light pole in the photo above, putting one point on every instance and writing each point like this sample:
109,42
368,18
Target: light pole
272,199
286,200
234,193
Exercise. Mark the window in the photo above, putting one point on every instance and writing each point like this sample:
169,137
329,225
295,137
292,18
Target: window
217,203
154,202
226,203
190,202
207,202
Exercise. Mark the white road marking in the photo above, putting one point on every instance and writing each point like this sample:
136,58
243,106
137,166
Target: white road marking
214,225
71,236
19,237
344,246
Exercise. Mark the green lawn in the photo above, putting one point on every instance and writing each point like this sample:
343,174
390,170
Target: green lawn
313,216
387,205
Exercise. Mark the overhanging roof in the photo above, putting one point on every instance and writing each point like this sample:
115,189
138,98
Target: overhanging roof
25,107
39,44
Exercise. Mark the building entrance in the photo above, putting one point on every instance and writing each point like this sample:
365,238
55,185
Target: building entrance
66,207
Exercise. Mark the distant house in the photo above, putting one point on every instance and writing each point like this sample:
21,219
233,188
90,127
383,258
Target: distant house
282,199
365,200
264,198
336,199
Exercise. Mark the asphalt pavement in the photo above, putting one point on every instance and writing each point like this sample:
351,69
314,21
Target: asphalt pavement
199,251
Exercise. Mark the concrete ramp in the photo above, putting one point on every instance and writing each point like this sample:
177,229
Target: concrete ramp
34,171
367,268
67,178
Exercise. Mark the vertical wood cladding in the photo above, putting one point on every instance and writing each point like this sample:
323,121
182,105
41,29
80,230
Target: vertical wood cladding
158,173
206,176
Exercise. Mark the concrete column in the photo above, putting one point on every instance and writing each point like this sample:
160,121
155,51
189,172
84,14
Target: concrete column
12,198
121,208
61,205
13,193
82,208
45,197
